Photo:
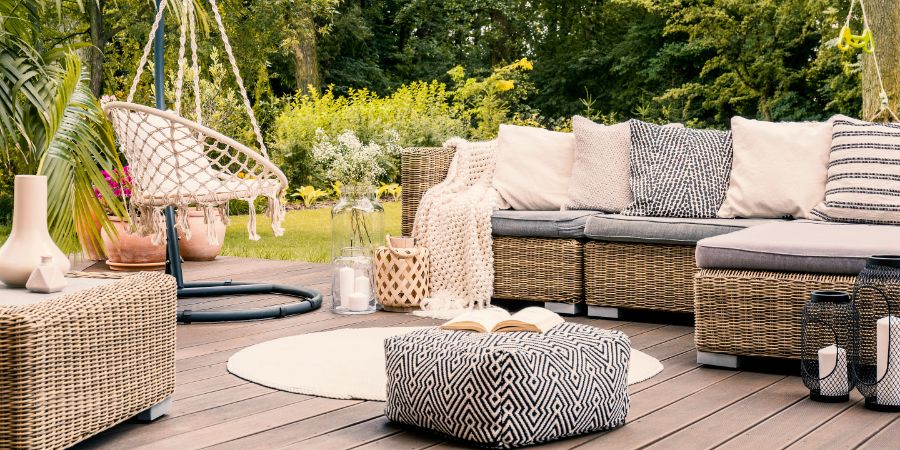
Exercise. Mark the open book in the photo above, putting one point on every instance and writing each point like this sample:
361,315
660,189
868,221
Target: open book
492,320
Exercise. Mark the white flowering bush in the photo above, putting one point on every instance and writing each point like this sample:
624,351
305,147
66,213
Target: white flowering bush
347,160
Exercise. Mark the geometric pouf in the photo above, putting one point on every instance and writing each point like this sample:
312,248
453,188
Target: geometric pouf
505,390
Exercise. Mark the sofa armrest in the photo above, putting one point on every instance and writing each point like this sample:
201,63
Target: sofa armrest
420,169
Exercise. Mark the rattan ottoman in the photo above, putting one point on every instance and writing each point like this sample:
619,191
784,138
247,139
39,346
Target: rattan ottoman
76,364
505,390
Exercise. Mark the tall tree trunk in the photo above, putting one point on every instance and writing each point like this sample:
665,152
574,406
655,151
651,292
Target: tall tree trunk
98,41
884,20
306,60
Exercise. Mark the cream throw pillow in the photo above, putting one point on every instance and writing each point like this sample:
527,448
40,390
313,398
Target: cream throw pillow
601,176
534,167
779,169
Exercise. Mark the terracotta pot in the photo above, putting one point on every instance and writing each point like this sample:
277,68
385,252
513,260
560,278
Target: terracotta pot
29,239
129,251
198,247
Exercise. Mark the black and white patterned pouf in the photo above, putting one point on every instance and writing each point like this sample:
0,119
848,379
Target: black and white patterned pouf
508,390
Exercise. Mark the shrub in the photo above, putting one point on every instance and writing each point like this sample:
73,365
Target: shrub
419,112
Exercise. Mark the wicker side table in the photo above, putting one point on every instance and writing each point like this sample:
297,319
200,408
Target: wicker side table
74,365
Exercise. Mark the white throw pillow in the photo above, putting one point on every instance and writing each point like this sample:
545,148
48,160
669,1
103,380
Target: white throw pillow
534,167
779,169
601,176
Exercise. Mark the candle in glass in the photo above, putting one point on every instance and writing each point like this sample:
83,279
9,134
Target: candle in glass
345,275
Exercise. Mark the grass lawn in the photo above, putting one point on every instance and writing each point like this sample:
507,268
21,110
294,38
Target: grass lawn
307,235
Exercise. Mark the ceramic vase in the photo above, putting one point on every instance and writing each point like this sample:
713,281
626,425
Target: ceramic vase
29,238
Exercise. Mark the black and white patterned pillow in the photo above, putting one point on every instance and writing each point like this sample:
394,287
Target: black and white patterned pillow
863,173
678,172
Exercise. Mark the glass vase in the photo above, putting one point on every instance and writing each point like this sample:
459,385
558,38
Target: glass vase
351,282
357,221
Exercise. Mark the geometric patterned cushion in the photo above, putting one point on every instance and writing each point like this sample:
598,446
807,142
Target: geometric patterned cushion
678,172
505,390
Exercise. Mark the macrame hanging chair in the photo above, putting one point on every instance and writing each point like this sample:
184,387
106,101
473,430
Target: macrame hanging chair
177,164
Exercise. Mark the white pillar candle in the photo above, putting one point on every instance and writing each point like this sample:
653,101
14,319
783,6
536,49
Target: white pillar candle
833,380
359,302
888,340
345,285
361,286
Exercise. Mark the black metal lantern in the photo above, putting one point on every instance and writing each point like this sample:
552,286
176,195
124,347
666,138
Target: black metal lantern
828,341
877,363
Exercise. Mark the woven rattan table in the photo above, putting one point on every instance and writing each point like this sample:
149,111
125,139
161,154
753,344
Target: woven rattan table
78,363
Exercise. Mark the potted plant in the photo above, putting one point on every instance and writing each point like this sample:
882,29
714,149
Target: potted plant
125,249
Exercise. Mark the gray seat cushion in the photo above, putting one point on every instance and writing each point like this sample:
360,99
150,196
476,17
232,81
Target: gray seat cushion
662,230
546,224
799,246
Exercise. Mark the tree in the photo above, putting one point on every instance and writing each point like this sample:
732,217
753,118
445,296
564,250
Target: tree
884,20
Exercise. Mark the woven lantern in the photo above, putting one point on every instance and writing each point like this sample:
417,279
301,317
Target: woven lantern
828,341
401,277
877,363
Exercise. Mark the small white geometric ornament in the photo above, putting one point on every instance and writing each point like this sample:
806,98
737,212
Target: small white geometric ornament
46,278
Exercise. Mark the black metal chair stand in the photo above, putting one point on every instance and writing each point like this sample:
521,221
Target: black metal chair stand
308,299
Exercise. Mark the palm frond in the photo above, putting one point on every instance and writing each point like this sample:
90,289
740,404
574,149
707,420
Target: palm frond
79,143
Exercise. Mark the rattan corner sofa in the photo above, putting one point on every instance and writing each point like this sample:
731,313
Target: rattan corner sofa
743,304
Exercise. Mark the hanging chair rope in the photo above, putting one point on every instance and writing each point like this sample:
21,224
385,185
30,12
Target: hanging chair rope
866,41
237,76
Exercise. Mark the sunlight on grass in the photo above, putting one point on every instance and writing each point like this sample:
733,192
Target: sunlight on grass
307,235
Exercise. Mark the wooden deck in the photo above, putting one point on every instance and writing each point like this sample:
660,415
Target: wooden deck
685,406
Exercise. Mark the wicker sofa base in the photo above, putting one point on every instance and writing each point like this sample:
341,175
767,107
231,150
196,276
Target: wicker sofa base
538,269
750,313
639,276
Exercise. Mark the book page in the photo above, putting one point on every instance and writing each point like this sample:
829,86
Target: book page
533,318
482,320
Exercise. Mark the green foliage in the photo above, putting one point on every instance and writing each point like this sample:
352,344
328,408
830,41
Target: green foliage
309,195
418,112
392,189
498,98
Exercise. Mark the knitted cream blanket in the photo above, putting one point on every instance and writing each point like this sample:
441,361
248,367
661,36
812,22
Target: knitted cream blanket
454,222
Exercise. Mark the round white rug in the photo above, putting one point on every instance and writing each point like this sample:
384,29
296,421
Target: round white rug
347,364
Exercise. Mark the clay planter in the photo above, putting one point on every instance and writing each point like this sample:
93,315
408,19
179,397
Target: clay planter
131,251
198,247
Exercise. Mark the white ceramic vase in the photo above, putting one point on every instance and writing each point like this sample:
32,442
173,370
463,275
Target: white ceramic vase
29,238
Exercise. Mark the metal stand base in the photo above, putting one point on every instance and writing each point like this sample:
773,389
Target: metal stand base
156,411
719,360
309,299
569,309
604,312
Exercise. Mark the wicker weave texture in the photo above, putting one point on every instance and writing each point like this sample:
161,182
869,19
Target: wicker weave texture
75,365
753,313
420,169
639,276
401,277
537,269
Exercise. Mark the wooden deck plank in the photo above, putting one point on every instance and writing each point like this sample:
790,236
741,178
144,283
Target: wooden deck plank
720,427
349,437
850,428
659,424
685,406
233,429
789,425
888,437
306,429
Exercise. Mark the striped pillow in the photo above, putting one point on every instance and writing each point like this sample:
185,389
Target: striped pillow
863,174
